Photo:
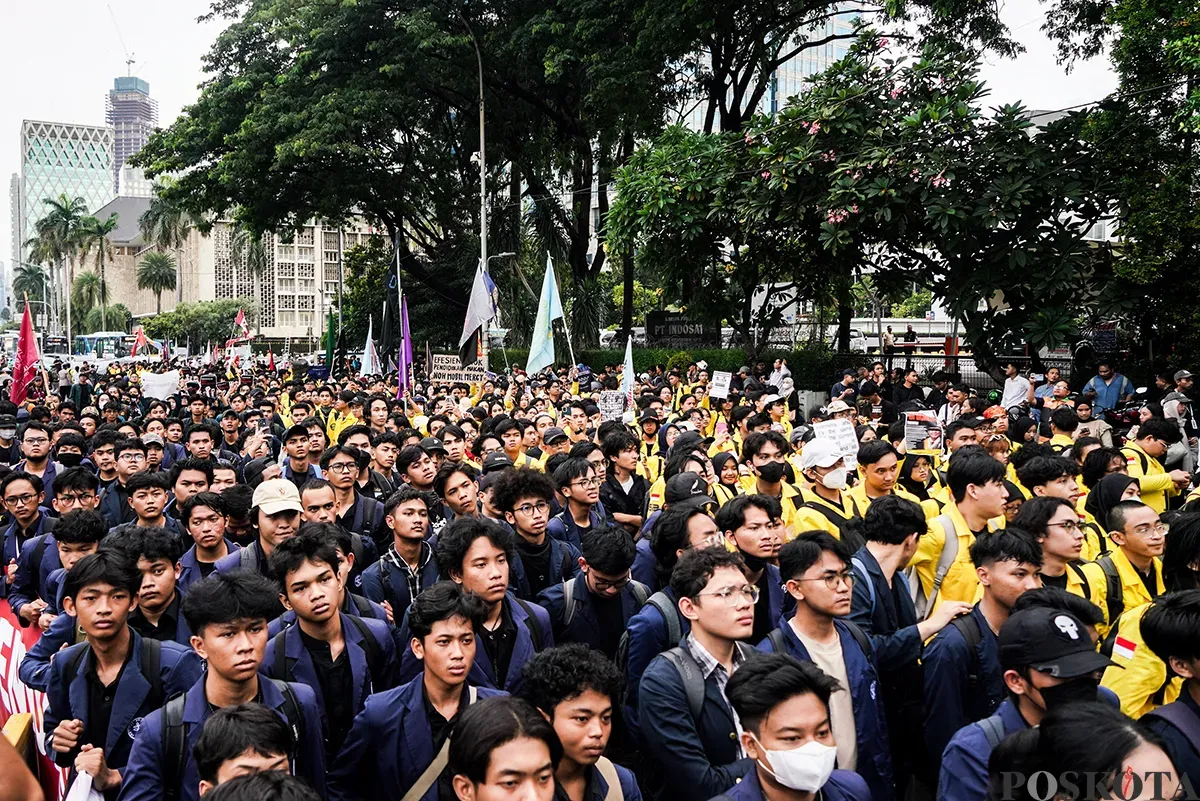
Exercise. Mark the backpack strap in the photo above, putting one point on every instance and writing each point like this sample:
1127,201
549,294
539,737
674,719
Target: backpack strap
385,578
864,643
693,680
778,641
608,771
945,560
362,605
151,667
1115,595
370,647
174,747
993,729
280,652
291,711
662,602
1182,719
533,624
248,558
1083,579
71,667
640,592
968,627
858,567
431,773
39,551
570,602
356,547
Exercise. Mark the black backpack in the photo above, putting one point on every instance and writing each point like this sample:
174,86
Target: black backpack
779,642
670,614
174,736
370,646
150,664
968,627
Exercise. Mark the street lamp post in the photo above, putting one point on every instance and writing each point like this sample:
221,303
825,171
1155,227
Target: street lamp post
483,256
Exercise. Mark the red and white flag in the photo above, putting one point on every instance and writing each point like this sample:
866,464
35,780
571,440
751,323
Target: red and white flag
138,343
26,362
240,322
1123,648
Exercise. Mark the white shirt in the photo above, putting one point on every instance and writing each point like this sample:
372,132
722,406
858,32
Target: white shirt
828,657
1016,391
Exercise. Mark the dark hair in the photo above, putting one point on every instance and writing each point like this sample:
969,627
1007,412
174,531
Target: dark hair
1006,545
349,431
960,424
803,552
447,470
1044,469
271,785
443,601
892,519
1064,419
609,549
212,500
754,443
292,553
76,478
1087,738
203,428
456,539
140,481
567,671
128,445
69,438
696,567
1161,429
732,515
521,482
1080,444
1036,513
231,730
341,450
1095,465
618,441
404,494
151,542
581,450
21,475
107,566
1171,624
80,526
1181,552
570,470
1053,598
204,466
226,597
1028,452
407,458
668,535
238,500
1117,515
972,468
490,723
875,451
766,680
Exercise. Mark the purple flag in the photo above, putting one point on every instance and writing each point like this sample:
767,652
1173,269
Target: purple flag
405,356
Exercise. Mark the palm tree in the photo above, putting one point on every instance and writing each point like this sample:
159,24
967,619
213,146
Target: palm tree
93,233
249,250
29,280
88,292
57,239
166,223
156,273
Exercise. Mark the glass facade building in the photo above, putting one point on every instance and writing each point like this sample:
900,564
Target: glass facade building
133,115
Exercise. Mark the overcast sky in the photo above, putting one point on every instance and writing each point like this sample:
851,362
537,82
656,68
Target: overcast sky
61,57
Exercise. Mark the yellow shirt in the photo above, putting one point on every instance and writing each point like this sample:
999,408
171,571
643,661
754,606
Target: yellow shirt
823,518
960,582
1133,589
1153,480
1138,675
338,423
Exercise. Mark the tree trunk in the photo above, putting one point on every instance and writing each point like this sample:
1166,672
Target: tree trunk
845,315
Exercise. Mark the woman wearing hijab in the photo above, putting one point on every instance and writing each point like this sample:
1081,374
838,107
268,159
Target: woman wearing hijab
915,472
725,466
1108,492
1023,431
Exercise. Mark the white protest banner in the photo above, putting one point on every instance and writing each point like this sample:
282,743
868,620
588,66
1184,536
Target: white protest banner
922,432
842,433
160,385
720,385
448,369
612,404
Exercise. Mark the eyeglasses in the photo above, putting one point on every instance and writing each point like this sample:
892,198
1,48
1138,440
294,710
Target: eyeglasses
132,457
586,483
72,500
343,467
833,579
1147,528
605,584
1068,525
20,500
529,508
731,595
36,440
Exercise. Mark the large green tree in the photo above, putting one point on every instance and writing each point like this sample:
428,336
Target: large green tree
156,272
93,237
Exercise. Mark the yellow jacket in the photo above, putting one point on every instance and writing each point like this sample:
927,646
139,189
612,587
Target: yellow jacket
1133,589
960,582
337,423
858,492
1153,480
1139,678
823,518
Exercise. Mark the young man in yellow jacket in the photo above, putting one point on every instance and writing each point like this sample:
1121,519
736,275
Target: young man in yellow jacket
1054,477
828,505
942,563
1154,438
878,466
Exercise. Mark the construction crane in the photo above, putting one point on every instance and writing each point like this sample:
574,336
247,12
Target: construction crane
129,59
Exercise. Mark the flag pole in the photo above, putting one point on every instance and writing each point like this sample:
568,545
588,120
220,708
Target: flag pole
566,327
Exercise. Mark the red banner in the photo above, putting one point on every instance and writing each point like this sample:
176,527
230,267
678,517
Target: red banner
16,698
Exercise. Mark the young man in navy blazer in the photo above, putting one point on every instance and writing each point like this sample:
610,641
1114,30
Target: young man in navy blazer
101,691
396,737
203,517
325,649
477,554
228,614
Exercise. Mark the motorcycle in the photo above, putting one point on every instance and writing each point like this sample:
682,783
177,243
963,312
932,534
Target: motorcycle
1125,415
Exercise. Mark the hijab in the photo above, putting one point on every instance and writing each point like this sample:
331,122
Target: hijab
1020,428
718,462
1107,494
906,479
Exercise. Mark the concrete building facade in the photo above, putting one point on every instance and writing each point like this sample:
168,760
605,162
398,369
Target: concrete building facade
133,115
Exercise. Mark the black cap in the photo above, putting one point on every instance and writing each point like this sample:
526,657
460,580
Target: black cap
8,420
495,462
296,430
686,491
553,434
649,417
433,445
1051,641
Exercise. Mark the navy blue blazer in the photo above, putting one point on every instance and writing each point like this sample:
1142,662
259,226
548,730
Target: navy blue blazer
687,758
562,526
584,627
373,586
179,669
645,565
51,472
843,785
388,747
35,667
597,787
870,723
647,639
142,779
564,564
189,566
300,665
483,674
115,512
30,582
233,561
892,622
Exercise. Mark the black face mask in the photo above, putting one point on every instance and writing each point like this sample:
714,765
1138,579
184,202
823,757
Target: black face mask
753,563
70,459
771,472
1081,688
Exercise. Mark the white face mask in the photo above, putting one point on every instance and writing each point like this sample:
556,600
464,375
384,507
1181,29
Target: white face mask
835,479
806,768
